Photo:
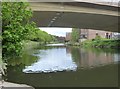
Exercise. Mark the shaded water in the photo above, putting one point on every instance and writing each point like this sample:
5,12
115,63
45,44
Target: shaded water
61,66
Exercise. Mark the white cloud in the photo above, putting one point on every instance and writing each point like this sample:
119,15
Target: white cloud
56,31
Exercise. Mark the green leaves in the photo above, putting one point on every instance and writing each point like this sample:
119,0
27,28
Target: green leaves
15,26
75,35
41,36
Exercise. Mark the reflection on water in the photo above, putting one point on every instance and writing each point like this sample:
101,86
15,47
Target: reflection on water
94,67
88,58
52,60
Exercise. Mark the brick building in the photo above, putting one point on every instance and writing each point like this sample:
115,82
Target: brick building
91,34
68,36
60,39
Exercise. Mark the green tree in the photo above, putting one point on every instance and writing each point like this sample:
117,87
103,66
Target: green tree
15,26
75,34
98,37
39,36
43,36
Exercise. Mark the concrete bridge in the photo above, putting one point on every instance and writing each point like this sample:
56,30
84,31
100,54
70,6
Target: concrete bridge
76,14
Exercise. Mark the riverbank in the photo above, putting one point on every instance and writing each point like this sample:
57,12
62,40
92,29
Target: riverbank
27,44
73,43
9,85
104,43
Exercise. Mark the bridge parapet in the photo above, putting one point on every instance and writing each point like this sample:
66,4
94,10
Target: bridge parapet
99,2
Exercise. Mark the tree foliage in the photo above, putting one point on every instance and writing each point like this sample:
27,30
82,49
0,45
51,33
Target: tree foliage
98,38
75,35
15,26
41,36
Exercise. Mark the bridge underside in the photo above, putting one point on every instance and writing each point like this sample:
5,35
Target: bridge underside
76,20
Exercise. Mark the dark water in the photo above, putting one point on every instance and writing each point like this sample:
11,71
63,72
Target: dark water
60,66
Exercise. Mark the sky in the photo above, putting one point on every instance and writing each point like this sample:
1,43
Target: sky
56,31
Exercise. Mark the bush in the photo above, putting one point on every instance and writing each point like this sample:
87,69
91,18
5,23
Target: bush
93,39
98,38
15,26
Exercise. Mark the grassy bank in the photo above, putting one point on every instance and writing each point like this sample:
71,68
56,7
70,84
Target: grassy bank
30,44
102,43
72,43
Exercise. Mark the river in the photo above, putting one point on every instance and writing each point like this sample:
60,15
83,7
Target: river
57,65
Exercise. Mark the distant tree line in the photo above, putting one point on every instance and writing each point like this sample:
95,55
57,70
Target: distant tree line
40,36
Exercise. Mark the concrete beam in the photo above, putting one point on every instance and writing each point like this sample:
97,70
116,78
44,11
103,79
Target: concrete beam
38,6
99,2
77,20
75,15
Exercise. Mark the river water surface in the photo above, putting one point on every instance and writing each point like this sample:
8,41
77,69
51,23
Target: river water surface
56,65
